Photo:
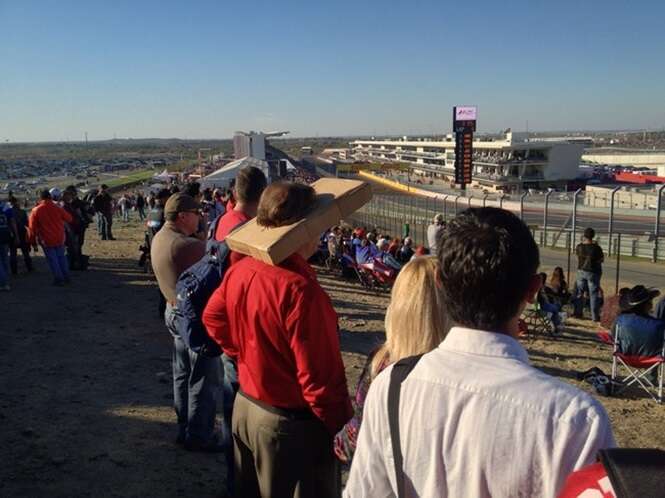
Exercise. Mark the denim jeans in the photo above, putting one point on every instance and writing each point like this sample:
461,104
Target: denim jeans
230,389
196,382
555,309
591,281
125,215
57,262
4,264
104,224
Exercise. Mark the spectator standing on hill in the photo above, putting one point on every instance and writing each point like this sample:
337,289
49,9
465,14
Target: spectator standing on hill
196,377
103,204
250,184
590,259
140,205
434,232
21,240
475,419
125,205
280,325
46,226
8,234
415,323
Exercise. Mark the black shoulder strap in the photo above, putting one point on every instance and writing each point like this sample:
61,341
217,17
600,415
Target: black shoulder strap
399,373
635,472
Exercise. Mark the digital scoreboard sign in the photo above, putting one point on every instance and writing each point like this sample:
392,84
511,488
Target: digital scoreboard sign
464,124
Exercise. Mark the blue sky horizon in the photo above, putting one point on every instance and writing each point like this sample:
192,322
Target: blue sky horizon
204,69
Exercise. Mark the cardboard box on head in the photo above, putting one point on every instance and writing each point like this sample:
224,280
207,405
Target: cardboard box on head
335,199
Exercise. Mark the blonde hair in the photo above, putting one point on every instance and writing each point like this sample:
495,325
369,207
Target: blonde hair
416,320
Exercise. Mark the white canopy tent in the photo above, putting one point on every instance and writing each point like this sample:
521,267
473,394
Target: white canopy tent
164,176
223,176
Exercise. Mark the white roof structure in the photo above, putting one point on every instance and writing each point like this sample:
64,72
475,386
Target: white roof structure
164,176
223,176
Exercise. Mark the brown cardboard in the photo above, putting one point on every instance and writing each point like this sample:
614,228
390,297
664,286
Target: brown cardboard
336,199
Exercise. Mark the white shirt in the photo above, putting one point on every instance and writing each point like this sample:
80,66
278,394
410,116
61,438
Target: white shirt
477,420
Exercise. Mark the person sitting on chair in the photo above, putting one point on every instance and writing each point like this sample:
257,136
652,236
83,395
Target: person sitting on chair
548,305
635,330
558,287
386,258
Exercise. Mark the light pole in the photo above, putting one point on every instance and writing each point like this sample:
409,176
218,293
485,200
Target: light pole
610,228
577,193
547,205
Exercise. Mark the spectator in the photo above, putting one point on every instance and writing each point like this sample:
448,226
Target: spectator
364,252
281,326
103,204
415,324
155,223
8,234
590,258
549,305
635,330
419,252
250,184
21,240
195,376
193,189
557,291
140,205
125,205
73,232
394,247
434,232
466,403
385,257
406,252
46,226
85,213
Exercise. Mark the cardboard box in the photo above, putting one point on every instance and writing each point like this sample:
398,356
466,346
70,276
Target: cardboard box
336,199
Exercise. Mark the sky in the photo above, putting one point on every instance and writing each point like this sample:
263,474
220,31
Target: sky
203,68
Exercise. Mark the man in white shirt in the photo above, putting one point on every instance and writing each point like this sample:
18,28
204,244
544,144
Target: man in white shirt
434,232
475,418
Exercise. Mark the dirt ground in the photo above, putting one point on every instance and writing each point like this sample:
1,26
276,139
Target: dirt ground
85,390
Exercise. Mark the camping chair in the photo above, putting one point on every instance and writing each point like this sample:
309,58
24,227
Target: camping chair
639,369
538,322
605,337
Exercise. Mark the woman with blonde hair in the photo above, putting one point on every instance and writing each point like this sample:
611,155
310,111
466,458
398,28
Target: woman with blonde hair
416,323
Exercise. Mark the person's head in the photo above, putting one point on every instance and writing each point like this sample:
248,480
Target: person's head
56,194
13,201
72,190
163,196
250,184
416,320
45,195
183,211
408,242
383,245
638,300
103,187
438,219
589,234
193,189
558,273
421,251
488,262
543,278
284,203
67,196
218,194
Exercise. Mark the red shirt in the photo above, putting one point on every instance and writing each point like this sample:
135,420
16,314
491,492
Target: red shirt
47,224
229,221
230,205
280,325
589,481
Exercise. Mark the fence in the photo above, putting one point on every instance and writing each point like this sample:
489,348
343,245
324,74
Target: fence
400,214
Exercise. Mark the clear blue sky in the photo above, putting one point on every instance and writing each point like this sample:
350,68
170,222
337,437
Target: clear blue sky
202,69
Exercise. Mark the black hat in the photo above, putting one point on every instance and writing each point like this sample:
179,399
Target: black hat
636,296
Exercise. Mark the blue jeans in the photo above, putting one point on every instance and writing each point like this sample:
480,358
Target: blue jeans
554,309
230,389
4,264
591,281
196,382
57,262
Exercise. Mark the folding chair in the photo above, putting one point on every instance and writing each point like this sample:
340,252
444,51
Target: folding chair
605,337
639,369
538,322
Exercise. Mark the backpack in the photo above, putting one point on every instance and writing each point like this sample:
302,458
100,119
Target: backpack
193,290
5,231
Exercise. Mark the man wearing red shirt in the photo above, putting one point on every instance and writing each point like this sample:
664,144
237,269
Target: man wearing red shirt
250,183
46,225
281,326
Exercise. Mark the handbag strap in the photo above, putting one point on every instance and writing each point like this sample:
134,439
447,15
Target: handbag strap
399,373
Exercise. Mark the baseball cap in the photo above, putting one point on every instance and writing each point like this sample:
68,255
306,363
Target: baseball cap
181,203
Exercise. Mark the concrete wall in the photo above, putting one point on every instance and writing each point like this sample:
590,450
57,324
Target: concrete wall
648,160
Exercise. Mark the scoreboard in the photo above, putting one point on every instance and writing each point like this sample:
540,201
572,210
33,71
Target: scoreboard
464,124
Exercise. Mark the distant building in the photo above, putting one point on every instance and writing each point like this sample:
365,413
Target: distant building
338,153
253,143
628,197
509,164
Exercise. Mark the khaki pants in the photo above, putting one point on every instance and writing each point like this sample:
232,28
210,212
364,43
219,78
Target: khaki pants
277,456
